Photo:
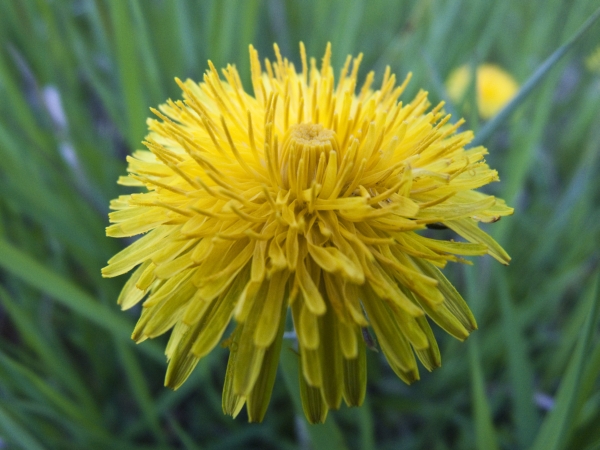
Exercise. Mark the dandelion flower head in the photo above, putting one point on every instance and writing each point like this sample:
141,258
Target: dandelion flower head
309,196
495,87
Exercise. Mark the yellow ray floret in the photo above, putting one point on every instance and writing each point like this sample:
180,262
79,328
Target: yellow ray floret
309,195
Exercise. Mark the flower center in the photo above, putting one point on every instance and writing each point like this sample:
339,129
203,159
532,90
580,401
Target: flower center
311,135
305,154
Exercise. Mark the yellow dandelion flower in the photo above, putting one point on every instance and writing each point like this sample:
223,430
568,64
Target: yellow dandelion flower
495,87
307,196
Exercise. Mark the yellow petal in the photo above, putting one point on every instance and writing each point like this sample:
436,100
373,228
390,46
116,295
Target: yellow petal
331,360
259,397
231,402
394,345
468,229
217,319
268,323
430,356
130,295
313,404
136,253
312,296
355,376
333,260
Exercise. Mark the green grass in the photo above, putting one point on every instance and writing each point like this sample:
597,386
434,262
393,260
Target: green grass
69,375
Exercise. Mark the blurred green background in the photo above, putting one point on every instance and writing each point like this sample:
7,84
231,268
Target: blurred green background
77,78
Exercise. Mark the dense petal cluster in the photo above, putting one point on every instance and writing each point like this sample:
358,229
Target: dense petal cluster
309,196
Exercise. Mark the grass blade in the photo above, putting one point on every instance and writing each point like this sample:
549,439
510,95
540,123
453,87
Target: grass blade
14,432
129,72
519,369
485,435
557,427
139,387
36,274
49,353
